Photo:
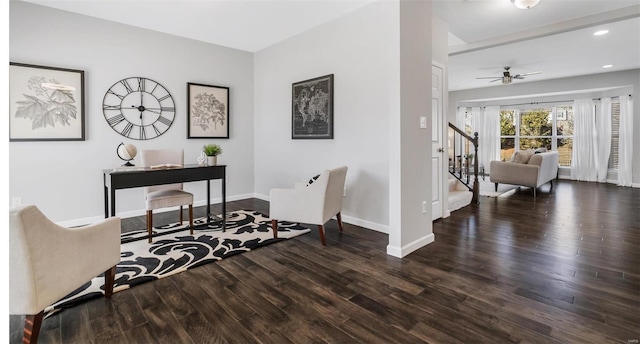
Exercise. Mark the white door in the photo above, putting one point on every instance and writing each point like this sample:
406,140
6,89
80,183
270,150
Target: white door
437,145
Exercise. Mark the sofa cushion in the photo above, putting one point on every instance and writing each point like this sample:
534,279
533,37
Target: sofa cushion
522,157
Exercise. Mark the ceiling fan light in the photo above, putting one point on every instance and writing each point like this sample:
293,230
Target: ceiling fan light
525,4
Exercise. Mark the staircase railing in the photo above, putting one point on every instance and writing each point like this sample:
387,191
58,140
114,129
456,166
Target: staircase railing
463,161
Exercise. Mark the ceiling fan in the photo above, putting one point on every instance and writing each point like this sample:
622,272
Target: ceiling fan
506,77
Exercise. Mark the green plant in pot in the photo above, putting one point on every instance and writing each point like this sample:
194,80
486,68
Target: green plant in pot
212,151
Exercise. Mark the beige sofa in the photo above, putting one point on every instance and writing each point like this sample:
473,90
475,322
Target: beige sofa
538,169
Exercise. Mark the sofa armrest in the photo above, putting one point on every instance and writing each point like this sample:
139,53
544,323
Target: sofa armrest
514,173
548,163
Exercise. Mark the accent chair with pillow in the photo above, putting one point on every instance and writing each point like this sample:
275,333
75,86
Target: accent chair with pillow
314,202
526,168
169,195
47,262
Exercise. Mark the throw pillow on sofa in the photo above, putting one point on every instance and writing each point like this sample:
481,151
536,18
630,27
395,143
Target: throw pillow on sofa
522,157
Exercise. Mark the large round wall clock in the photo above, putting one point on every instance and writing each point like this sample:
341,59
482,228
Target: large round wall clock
138,108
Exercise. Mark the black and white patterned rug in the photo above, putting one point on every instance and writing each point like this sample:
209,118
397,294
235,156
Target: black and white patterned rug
175,250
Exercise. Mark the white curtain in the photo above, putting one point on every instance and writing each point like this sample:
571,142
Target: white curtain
489,137
460,117
625,148
583,164
476,120
603,136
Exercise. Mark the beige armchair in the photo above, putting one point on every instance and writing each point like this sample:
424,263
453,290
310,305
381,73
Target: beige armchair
165,196
314,203
47,262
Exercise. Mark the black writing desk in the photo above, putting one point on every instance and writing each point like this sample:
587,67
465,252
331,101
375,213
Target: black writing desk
139,177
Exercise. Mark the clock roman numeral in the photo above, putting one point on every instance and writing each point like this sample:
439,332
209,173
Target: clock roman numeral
141,84
158,132
165,97
164,120
111,107
143,133
113,121
115,94
168,108
127,130
126,86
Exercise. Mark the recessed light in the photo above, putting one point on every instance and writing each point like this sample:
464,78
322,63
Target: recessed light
601,32
607,66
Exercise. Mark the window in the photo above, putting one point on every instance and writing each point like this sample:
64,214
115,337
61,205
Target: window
551,128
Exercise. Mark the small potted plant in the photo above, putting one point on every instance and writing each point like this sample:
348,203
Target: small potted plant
212,151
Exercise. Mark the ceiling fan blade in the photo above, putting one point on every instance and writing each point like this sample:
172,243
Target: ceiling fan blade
490,77
495,80
519,76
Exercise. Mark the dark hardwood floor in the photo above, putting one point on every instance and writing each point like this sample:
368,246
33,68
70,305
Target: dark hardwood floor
561,268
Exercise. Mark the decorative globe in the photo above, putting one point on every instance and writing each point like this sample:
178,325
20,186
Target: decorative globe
127,153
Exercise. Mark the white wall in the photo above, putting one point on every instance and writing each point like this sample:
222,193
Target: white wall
355,48
571,88
64,178
411,171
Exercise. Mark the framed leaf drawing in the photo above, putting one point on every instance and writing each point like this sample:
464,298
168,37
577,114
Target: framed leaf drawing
208,112
312,108
45,103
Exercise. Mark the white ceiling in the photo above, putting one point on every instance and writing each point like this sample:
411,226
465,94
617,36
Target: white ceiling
555,37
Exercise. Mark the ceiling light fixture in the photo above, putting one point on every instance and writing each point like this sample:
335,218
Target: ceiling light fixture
525,4
601,32
607,66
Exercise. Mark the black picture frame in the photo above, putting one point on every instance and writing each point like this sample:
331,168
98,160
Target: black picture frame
45,103
207,112
312,108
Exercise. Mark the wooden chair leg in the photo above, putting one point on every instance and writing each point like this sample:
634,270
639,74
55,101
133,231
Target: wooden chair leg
274,225
339,217
321,231
191,217
109,279
32,328
496,187
180,215
149,223
551,182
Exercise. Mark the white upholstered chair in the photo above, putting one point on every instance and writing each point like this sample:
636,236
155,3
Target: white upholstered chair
314,203
47,262
169,195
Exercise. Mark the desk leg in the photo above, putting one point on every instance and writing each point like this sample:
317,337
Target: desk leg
224,202
113,202
106,197
208,201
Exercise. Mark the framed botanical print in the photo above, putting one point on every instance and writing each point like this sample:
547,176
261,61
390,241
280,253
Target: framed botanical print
312,108
45,103
208,113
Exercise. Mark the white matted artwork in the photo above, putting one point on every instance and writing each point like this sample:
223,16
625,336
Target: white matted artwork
45,103
208,112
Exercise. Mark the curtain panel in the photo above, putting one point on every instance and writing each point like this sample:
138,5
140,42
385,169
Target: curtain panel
625,148
603,136
489,141
583,163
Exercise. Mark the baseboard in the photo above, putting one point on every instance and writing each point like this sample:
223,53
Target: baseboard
261,196
403,251
141,212
366,224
